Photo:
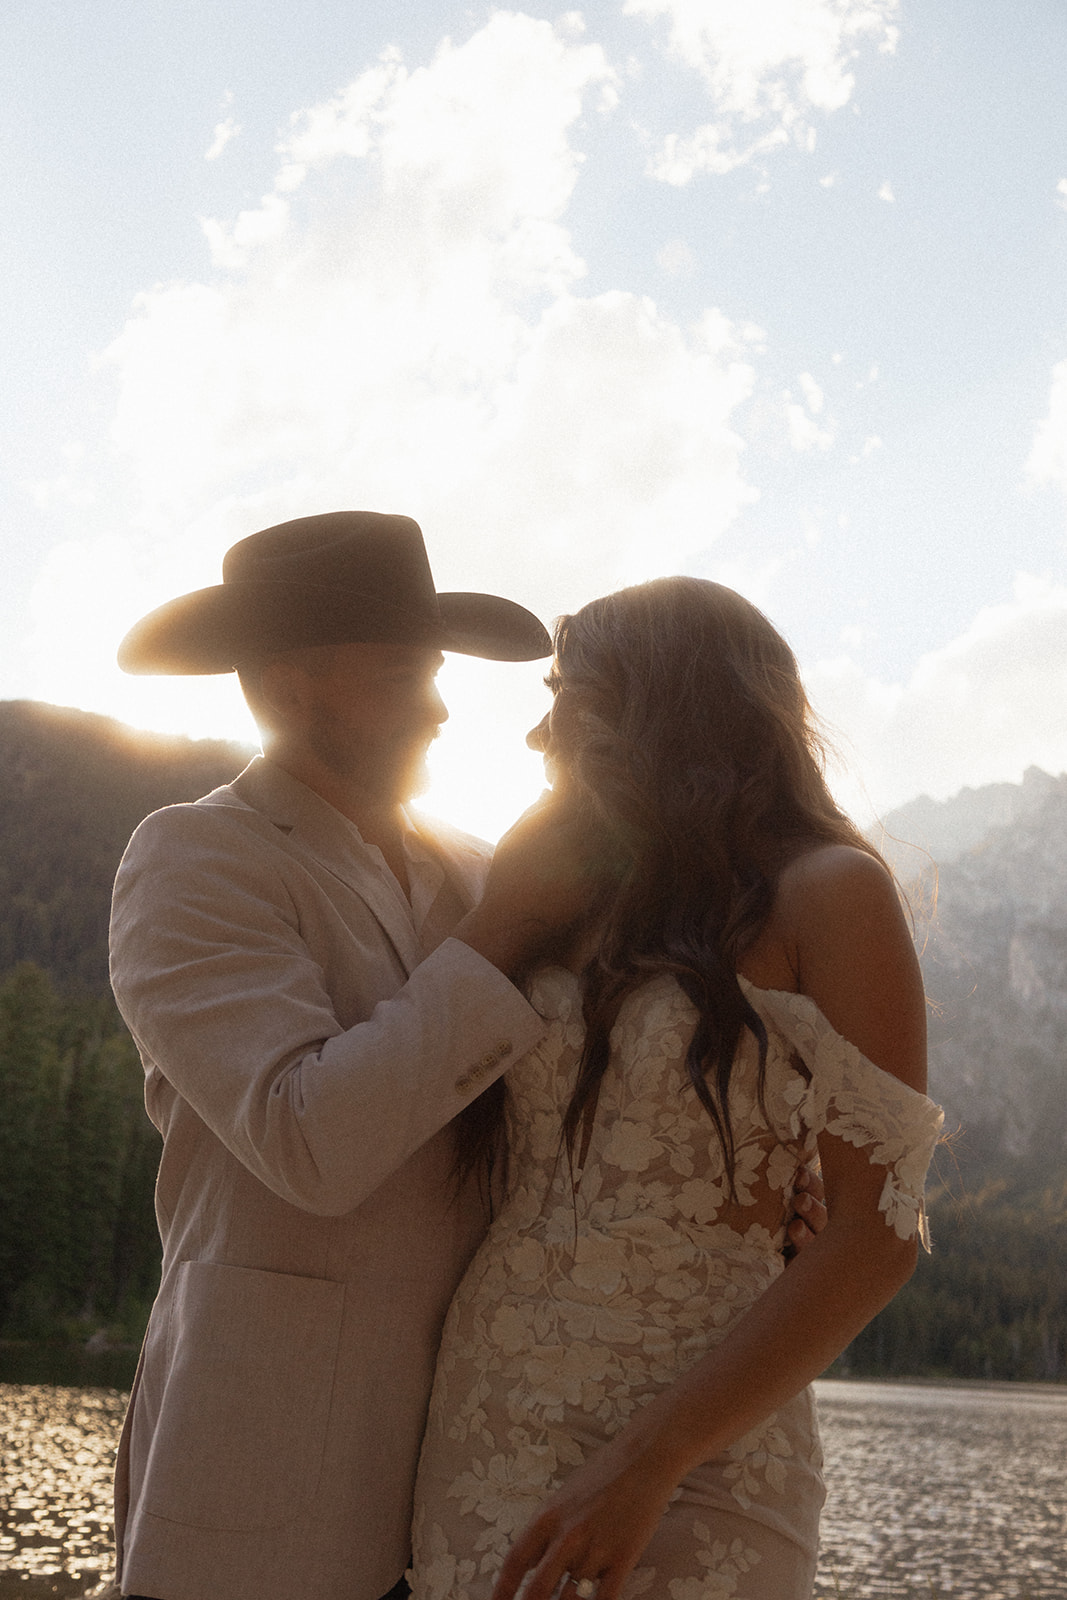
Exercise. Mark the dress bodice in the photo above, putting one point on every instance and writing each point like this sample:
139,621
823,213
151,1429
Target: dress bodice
653,1149
596,1288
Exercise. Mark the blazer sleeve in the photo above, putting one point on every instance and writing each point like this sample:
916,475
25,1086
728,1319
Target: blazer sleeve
222,993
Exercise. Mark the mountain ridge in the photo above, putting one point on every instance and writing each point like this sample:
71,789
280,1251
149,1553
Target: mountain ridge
991,915
990,906
924,831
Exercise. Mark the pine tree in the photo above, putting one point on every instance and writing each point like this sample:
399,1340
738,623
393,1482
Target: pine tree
32,1180
96,1146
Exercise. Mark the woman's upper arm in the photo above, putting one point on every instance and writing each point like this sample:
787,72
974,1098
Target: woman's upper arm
854,956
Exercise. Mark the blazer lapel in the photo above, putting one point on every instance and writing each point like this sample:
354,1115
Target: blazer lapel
312,825
464,858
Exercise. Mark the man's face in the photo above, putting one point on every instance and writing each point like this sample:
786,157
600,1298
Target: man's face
368,713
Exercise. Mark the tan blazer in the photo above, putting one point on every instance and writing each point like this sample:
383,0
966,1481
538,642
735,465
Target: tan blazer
302,1062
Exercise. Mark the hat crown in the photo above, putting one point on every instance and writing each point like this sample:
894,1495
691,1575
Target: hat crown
343,577
369,553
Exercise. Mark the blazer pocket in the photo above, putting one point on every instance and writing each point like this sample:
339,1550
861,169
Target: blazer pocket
246,1399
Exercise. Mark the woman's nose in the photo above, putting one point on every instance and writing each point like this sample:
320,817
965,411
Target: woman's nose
537,738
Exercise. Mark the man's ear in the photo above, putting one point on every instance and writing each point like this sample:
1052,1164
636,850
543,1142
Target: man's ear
283,688
268,688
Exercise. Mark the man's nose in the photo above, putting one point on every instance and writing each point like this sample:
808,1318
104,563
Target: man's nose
537,738
436,706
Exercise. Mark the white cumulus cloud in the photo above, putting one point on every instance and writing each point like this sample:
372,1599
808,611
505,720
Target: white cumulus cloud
224,133
770,69
1048,457
804,429
400,324
979,710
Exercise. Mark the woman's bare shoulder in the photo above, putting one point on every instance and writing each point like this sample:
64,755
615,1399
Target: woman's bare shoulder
840,912
838,873
821,888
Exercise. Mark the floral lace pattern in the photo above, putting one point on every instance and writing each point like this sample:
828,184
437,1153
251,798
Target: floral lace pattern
850,1097
593,1292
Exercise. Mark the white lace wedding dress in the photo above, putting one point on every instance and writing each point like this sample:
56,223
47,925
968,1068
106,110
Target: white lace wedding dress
583,1303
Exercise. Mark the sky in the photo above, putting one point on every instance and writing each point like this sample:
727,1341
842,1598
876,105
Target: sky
769,291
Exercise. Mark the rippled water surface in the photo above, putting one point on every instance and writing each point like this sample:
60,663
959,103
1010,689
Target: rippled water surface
941,1490
57,1453
934,1491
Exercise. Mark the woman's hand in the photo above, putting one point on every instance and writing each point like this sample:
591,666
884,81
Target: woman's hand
548,873
596,1527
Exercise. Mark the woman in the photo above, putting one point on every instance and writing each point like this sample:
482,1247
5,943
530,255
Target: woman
621,1405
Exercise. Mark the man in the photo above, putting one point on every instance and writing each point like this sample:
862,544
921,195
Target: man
281,952
308,1030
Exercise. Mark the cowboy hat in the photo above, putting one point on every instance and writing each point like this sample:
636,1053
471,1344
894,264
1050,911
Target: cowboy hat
339,578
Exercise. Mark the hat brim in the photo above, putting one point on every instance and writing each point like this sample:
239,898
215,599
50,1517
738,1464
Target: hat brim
232,625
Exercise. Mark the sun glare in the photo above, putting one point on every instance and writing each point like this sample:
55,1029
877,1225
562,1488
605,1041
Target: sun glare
482,776
482,773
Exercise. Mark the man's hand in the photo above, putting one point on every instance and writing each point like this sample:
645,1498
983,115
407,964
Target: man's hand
548,873
809,1211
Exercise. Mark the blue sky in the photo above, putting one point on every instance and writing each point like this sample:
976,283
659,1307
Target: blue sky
772,291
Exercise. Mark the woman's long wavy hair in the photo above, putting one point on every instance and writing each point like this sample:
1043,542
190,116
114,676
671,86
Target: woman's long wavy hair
682,729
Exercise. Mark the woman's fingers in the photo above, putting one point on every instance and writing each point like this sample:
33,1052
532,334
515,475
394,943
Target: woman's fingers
591,1534
525,1553
547,1555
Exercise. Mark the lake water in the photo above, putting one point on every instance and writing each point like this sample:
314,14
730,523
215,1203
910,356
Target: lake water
934,1490
950,1490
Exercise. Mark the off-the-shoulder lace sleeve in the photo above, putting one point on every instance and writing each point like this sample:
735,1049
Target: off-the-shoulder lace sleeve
853,1099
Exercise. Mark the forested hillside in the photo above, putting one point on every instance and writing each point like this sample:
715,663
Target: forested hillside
78,1249
73,787
78,1156
78,1245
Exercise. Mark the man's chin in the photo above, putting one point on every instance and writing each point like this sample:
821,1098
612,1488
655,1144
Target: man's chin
407,785
382,786
417,783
